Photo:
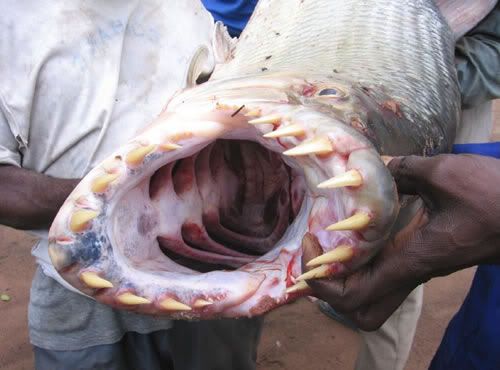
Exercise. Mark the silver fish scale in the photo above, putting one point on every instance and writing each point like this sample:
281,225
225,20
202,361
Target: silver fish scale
404,47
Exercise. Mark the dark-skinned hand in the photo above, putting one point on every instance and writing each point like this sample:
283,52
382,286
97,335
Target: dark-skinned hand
458,227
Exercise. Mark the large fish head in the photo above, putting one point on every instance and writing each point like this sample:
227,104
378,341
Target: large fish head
203,214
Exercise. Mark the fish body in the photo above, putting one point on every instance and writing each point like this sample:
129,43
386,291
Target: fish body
402,49
203,214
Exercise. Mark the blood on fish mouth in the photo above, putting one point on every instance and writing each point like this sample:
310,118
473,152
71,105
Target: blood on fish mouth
202,215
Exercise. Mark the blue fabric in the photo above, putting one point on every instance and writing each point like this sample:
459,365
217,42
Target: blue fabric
487,149
233,13
472,339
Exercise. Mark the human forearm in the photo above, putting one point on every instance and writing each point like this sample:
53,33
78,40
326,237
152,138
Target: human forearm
29,200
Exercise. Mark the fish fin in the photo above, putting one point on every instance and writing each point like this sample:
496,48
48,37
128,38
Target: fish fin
222,44
203,62
464,15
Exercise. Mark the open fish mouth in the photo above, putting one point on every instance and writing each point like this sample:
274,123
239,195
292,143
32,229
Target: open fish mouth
202,215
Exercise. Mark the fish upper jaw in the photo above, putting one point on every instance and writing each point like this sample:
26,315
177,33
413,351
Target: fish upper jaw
167,194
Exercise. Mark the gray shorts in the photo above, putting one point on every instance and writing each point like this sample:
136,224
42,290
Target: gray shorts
204,345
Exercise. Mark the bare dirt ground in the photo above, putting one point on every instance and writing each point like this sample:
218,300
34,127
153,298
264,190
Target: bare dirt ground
296,337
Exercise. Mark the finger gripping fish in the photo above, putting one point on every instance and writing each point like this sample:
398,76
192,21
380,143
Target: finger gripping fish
203,214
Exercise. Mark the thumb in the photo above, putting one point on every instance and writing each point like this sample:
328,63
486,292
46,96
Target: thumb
310,249
410,173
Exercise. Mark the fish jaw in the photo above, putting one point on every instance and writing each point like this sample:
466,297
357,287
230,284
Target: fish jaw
135,230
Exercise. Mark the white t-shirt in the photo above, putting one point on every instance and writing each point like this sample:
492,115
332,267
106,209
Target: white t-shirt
78,78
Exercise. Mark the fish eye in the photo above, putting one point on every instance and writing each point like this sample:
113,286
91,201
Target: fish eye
328,91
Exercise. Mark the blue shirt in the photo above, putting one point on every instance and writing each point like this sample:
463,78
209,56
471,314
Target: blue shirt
233,13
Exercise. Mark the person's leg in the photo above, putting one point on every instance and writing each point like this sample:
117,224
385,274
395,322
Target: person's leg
103,357
134,351
388,348
224,344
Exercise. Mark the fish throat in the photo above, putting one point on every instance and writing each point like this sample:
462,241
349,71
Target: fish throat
220,208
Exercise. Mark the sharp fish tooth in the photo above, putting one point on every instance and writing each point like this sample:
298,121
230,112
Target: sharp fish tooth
80,219
300,286
132,299
200,303
386,159
95,281
59,259
169,146
340,254
100,184
173,305
357,222
137,155
320,145
253,113
291,130
272,118
316,273
349,178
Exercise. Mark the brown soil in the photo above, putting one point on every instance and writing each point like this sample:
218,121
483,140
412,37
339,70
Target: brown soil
296,336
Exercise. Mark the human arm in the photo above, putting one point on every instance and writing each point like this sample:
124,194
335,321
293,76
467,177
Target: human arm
30,200
459,227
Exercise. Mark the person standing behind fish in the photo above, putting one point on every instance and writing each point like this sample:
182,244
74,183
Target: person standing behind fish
458,226
389,346
78,78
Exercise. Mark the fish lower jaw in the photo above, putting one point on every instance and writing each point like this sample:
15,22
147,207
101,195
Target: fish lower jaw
204,218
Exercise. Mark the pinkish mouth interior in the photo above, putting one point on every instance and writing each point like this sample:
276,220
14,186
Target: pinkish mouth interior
218,209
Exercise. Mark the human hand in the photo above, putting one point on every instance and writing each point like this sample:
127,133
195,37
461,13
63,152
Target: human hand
458,227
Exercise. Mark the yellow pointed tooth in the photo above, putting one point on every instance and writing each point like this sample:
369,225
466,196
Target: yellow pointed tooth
316,273
386,159
80,219
169,146
111,164
100,184
95,281
340,254
321,145
300,286
58,258
349,178
272,118
357,222
200,303
291,130
173,305
253,113
132,299
136,156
